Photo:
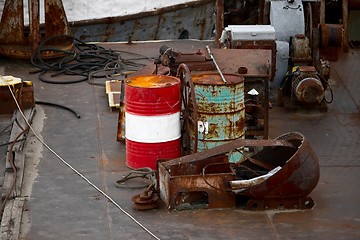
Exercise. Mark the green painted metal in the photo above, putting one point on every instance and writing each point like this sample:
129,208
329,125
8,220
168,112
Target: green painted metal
221,111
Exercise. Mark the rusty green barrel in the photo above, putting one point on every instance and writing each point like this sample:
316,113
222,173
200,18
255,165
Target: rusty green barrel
221,110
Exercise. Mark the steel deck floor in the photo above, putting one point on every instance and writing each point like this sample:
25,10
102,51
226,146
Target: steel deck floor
63,206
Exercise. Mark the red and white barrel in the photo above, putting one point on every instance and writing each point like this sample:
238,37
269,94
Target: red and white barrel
152,120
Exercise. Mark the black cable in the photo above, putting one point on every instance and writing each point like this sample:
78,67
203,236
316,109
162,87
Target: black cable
57,81
58,105
17,123
6,129
145,173
85,60
210,185
325,82
331,94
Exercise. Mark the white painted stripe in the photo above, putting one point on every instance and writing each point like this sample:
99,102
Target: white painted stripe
152,129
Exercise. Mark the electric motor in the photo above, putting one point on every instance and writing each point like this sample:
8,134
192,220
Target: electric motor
306,86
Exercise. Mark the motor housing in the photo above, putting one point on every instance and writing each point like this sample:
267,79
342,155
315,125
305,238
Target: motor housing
307,87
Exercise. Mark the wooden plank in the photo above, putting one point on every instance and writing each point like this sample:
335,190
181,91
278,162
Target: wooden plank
11,219
19,162
17,212
18,156
13,211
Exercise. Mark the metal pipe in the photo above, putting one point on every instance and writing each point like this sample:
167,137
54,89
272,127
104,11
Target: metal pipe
322,12
34,23
261,15
217,66
219,21
345,17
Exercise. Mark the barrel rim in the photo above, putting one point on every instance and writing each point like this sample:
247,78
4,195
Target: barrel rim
127,81
241,79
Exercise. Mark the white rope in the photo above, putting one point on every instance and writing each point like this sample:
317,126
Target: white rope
73,169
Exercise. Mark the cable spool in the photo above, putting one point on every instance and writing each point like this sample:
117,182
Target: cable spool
307,87
331,35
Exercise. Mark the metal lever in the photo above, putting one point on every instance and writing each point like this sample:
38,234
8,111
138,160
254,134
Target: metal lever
217,66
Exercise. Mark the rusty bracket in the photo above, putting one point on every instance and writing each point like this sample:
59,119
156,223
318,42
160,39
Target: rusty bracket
20,41
227,148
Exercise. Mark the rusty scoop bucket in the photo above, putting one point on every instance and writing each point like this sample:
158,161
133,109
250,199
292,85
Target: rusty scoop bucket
295,174
280,175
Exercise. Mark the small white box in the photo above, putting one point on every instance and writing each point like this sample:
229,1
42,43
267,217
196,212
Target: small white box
251,32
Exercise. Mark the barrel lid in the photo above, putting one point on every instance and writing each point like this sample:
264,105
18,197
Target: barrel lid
9,80
215,79
152,81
